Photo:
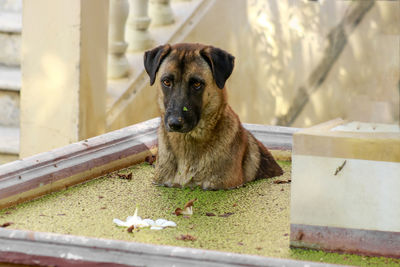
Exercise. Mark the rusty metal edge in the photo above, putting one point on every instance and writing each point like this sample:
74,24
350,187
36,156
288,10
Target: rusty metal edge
356,241
101,142
70,164
26,247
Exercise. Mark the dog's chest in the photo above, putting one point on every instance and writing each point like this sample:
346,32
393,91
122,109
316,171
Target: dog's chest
193,163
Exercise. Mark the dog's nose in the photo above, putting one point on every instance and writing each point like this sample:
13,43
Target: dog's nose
175,123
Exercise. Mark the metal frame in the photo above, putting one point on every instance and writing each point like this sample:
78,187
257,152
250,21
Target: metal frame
26,247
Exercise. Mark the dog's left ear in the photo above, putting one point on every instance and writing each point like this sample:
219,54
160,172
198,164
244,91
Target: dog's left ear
221,64
153,58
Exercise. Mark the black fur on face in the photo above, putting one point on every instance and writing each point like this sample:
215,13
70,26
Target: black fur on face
183,93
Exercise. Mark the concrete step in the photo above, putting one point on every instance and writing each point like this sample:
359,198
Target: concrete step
10,78
11,5
9,144
10,22
10,38
9,108
10,84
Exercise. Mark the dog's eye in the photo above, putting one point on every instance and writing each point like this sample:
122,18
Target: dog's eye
197,85
167,83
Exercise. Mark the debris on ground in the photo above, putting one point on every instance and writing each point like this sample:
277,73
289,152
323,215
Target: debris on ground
187,209
186,237
282,181
125,176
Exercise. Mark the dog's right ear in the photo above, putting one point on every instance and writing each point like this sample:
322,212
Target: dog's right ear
153,59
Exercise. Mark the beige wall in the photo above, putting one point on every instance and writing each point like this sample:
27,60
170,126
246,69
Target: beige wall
63,72
277,45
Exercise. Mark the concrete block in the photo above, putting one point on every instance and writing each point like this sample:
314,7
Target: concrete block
346,188
10,53
9,108
10,36
10,78
9,143
11,5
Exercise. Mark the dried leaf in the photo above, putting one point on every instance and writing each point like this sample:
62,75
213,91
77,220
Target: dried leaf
282,181
178,211
150,159
189,203
226,214
187,209
210,214
125,176
186,237
130,229
4,225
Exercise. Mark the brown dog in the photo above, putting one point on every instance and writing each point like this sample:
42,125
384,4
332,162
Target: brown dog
201,141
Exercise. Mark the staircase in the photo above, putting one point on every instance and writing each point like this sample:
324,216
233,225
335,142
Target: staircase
10,78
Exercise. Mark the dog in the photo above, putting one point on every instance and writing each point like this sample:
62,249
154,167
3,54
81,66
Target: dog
201,141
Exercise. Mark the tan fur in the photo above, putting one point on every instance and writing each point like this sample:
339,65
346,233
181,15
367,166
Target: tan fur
218,153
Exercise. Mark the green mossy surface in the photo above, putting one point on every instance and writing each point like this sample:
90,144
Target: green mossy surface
259,224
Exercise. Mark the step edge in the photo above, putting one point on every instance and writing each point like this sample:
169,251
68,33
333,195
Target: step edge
13,27
14,140
10,78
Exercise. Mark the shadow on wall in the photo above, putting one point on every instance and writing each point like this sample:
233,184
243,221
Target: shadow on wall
305,62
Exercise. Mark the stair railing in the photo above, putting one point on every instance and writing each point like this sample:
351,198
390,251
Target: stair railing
118,65
129,30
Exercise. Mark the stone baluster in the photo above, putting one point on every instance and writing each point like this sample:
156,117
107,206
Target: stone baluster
118,65
161,12
137,34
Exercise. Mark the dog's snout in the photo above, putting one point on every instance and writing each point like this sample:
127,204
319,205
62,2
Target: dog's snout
175,123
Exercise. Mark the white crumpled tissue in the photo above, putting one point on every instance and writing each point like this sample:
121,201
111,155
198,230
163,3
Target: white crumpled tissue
138,222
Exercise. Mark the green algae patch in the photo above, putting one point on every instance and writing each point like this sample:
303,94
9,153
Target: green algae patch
354,260
253,219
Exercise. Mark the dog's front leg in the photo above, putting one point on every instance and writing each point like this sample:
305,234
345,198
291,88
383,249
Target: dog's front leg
166,165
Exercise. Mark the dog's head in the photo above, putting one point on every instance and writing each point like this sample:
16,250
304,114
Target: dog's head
189,76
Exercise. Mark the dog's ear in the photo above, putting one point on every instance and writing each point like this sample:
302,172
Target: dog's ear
153,58
221,64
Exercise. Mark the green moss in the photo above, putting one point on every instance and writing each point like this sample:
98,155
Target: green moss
259,223
285,163
354,260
